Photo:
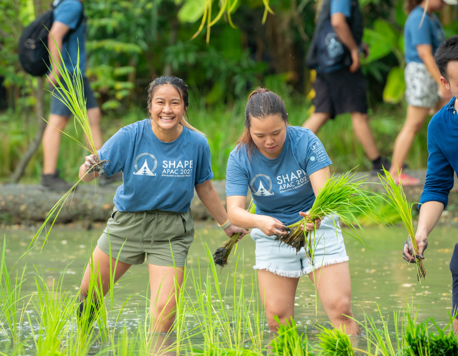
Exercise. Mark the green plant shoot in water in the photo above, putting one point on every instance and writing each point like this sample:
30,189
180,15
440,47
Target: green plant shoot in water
335,342
69,89
395,196
288,342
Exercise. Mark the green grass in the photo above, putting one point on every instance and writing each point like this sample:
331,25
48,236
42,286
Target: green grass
222,125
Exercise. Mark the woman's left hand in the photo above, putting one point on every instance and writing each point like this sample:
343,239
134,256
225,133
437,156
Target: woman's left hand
232,229
310,226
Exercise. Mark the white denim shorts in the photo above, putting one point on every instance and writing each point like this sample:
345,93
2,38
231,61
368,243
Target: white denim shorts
421,89
283,259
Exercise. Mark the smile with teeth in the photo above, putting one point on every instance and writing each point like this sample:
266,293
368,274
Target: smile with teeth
166,118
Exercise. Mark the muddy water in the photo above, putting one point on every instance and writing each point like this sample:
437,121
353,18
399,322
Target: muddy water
379,275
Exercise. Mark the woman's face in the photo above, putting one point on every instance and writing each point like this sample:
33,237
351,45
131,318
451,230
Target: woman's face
268,134
434,5
167,107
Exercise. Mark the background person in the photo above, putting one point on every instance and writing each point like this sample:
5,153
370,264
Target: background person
69,33
340,85
442,162
163,159
423,88
285,167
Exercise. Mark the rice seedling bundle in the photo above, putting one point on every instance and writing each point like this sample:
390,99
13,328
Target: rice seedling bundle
335,342
343,196
395,196
222,253
288,342
69,89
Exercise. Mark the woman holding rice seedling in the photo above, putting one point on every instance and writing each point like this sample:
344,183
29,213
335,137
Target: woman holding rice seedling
163,159
285,167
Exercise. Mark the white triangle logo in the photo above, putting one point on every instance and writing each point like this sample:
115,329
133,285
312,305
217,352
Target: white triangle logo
263,191
144,171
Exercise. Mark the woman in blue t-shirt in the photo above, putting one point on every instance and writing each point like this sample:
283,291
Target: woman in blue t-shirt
423,34
163,159
284,167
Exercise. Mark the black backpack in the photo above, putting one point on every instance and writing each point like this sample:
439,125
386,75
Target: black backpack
33,43
326,52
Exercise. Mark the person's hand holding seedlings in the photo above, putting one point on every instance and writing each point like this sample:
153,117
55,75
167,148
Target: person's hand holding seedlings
310,225
408,252
270,226
231,230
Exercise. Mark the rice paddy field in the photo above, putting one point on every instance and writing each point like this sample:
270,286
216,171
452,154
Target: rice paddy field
219,311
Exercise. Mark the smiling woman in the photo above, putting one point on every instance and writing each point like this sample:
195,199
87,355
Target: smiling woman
163,159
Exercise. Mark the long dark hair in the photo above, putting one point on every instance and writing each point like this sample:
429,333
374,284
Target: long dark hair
182,89
261,103
412,4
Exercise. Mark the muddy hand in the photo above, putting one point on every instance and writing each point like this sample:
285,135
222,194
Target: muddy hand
91,163
408,252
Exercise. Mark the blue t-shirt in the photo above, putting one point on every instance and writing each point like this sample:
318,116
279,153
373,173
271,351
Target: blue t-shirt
280,187
443,155
430,33
69,13
157,175
342,7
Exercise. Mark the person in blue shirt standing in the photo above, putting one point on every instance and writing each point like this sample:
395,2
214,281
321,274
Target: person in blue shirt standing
68,32
442,163
163,160
284,167
423,34
340,85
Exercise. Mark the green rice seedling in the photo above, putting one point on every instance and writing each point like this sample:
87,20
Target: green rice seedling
55,307
343,196
379,336
69,89
416,337
13,304
445,342
395,196
221,255
288,342
335,342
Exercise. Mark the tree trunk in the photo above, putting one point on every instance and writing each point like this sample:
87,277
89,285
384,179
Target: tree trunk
172,39
20,168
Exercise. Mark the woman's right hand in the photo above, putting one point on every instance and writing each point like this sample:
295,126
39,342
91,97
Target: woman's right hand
270,226
90,161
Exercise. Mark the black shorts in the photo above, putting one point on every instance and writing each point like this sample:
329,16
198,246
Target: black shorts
340,92
454,270
59,108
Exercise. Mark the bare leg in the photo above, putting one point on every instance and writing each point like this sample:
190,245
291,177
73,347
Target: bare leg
416,116
277,296
334,289
455,326
163,282
51,142
101,264
94,116
315,121
364,134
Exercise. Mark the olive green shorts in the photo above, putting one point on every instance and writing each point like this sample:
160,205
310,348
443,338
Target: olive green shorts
152,235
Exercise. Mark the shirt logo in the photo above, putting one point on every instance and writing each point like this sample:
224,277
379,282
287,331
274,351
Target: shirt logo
262,191
145,170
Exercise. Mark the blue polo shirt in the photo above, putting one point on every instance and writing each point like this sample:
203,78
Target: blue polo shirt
443,155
